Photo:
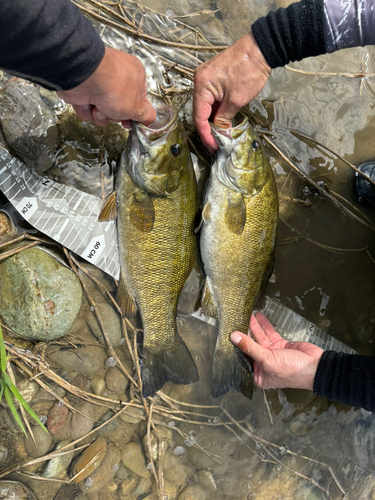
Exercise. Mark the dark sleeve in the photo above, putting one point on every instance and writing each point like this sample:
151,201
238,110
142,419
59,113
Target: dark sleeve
49,42
292,34
348,378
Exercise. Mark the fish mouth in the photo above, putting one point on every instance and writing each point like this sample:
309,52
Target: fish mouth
164,123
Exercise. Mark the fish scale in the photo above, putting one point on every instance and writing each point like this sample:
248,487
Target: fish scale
157,255
236,259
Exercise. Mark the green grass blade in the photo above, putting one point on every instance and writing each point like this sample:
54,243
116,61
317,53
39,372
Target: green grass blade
1,389
8,397
3,356
22,401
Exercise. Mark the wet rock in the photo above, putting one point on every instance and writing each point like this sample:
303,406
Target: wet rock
28,390
44,395
111,321
68,492
57,417
64,431
122,472
207,481
82,382
132,415
27,124
57,466
98,385
116,381
144,485
192,492
82,422
111,427
179,473
13,490
165,436
170,490
87,360
134,459
3,453
104,473
128,485
39,298
199,459
7,227
43,442
94,455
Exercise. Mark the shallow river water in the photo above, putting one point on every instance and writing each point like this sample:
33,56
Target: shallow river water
302,447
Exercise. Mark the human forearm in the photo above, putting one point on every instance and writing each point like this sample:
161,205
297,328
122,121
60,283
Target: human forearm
49,42
348,378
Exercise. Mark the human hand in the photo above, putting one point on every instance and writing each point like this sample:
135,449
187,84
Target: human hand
115,91
227,82
277,362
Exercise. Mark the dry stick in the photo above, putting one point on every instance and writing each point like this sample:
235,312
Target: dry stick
46,388
55,453
149,445
322,245
99,319
118,308
101,161
217,407
31,475
321,190
289,452
267,405
254,438
5,255
350,204
139,34
317,73
336,154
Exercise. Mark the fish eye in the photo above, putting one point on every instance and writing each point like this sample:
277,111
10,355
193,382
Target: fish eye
255,145
175,149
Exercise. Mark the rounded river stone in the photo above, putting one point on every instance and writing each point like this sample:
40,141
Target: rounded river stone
39,298
13,490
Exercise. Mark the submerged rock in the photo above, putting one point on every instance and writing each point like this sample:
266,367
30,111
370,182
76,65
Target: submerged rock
27,125
192,492
104,473
57,466
116,381
87,360
57,417
39,298
111,321
13,490
43,442
82,422
93,455
134,459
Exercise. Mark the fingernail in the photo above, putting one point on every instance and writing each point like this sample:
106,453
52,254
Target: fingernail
236,338
100,116
86,107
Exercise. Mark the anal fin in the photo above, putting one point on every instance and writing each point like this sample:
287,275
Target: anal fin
126,299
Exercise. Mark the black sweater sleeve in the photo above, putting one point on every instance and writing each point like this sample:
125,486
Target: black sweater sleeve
292,34
348,378
48,42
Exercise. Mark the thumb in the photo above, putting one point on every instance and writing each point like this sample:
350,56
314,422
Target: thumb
225,113
249,346
145,113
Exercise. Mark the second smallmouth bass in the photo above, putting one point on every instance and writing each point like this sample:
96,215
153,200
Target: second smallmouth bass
240,218
156,207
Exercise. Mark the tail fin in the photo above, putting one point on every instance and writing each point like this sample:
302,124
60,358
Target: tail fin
231,370
173,364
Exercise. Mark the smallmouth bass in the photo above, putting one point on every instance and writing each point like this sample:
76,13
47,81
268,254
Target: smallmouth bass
237,240
156,207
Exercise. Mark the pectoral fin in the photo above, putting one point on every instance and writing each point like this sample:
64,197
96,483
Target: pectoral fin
109,209
235,213
142,212
208,305
126,299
